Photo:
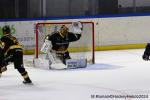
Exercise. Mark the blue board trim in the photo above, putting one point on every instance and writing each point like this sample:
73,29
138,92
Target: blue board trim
74,17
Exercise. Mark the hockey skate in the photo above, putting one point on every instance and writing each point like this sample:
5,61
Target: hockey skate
27,81
2,69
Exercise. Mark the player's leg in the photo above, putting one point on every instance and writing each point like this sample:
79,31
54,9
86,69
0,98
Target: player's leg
64,61
65,57
55,61
2,66
51,61
23,73
18,64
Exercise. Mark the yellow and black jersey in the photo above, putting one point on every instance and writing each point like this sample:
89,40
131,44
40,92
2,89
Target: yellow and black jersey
10,42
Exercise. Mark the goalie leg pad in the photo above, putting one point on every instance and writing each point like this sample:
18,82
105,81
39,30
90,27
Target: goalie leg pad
58,66
76,63
56,61
45,64
52,62
46,46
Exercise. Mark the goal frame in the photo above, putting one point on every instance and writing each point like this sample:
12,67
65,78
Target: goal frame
40,23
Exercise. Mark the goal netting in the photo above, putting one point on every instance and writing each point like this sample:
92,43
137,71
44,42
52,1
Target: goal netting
81,49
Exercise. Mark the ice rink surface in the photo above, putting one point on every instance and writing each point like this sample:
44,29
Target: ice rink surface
116,74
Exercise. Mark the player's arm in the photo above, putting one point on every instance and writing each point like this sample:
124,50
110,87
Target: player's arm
146,52
73,37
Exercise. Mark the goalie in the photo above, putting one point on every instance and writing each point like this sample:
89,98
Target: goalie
57,43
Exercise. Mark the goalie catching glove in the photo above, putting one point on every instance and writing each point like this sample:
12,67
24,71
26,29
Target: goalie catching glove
76,27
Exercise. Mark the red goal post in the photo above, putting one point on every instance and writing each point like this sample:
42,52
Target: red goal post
85,45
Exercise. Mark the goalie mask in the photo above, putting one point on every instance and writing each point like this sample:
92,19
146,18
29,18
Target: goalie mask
6,29
64,30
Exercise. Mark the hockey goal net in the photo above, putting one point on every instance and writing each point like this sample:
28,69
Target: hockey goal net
81,49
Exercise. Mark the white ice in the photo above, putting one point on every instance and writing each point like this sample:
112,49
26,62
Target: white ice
119,72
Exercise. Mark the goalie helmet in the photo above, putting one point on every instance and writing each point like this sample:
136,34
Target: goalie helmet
64,30
6,29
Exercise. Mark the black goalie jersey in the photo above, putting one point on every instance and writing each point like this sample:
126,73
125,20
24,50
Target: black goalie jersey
60,42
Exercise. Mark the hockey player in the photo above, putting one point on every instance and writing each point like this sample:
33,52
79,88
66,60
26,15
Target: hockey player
60,40
13,53
2,67
146,52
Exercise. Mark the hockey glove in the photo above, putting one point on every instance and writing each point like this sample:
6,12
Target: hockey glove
76,27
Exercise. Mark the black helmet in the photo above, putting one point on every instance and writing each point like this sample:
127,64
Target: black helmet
6,29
